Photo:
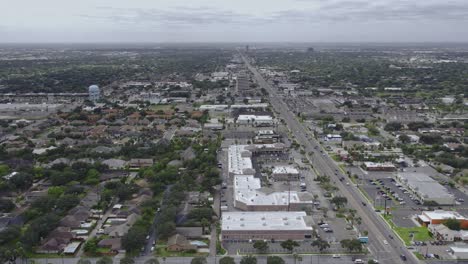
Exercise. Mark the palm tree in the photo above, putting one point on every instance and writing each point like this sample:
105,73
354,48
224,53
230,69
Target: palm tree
204,223
297,257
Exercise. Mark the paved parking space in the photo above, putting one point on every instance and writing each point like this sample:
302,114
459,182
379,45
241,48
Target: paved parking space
245,247
338,226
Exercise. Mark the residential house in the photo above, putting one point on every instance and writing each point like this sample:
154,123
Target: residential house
179,242
114,244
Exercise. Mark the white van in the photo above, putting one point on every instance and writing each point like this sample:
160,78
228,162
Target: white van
358,261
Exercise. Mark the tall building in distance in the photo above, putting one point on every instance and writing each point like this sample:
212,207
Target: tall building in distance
246,48
94,93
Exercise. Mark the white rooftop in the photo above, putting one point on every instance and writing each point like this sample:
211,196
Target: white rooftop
442,214
374,164
459,249
247,189
425,185
239,161
255,118
285,170
274,221
263,105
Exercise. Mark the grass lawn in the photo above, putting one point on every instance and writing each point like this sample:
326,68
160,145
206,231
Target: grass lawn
420,233
160,107
103,250
162,252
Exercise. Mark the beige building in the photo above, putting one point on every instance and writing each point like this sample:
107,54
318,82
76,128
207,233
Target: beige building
245,226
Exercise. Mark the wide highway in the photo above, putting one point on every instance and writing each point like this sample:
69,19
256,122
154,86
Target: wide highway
386,252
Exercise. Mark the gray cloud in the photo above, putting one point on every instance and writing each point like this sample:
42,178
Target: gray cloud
175,16
327,11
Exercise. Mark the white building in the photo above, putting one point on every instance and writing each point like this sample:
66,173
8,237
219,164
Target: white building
459,252
250,196
249,106
239,160
213,107
333,137
284,173
426,188
245,226
255,120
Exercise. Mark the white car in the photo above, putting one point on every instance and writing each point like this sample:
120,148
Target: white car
385,242
336,256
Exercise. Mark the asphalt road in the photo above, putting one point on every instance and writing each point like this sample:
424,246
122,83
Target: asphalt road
289,259
378,230
153,234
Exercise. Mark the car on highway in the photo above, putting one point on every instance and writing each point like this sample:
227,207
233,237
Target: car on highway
336,256
403,257
385,242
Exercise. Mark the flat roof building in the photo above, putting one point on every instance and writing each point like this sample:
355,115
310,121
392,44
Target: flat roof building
244,226
239,160
255,120
285,173
250,196
426,188
372,166
240,156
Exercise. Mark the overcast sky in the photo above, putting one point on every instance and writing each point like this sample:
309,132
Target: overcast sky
233,20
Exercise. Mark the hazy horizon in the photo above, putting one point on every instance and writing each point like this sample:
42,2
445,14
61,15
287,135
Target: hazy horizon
207,21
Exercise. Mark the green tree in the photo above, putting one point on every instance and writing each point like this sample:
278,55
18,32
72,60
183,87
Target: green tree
289,245
83,261
261,246
227,260
339,201
91,246
127,260
351,244
104,260
275,260
248,260
204,223
152,261
453,224
55,191
320,244
198,260
405,139
134,239
6,205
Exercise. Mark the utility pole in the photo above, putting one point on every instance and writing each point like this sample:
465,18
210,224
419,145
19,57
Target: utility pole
289,191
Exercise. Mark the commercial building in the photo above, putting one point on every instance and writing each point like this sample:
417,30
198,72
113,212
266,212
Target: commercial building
459,252
266,137
255,120
437,217
245,226
285,173
213,107
426,188
239,160
240,156
249,106
372,166
250,196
